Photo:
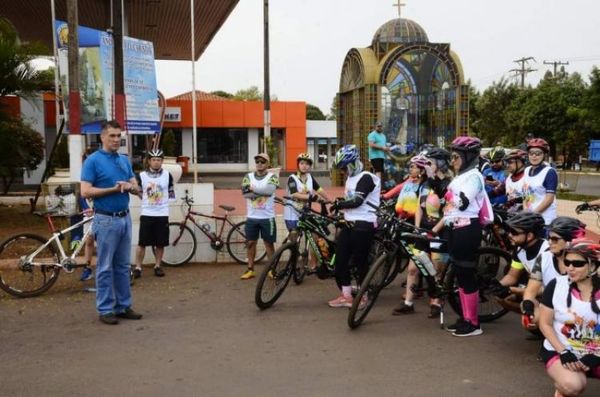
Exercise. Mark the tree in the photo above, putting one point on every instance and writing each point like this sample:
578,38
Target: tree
491,108
474,97
314,113
222,94
591,103
168,143
17,76
249,94
21,147
333,110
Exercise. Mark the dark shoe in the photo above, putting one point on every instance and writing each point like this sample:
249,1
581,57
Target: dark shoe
158,272
453,327
129,314
434,311
468,329
404,309
109,319
137,272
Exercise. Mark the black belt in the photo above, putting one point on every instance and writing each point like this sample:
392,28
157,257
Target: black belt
119,214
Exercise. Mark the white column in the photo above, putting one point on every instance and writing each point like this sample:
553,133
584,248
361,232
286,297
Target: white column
32,114
253,148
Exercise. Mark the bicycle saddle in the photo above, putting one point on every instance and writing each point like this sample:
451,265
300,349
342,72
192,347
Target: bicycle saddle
227,208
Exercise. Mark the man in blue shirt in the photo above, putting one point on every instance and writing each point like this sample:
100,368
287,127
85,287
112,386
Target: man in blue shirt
377,149
108,179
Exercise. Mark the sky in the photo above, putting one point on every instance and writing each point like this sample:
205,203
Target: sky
310,38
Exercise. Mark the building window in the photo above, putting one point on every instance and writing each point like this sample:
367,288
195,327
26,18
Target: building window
223,145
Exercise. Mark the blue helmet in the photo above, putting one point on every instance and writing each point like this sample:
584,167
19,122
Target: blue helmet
346,155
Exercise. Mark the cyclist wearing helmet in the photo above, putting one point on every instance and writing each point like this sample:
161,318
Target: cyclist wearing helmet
569,318
526,231
494,176
354,242
466,203
515,165
157,190
429,215
301,186
563,230
541,181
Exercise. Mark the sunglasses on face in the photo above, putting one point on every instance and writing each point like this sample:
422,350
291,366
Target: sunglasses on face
554,239
536,153
576,263
260,162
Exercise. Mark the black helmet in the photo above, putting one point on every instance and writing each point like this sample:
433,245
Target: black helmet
568,228
496,154
438,154
528,222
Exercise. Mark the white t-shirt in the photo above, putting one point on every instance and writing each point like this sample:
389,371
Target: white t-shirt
363,212
471,185
155,193
261,207
290,214
514,190
534,192
541,267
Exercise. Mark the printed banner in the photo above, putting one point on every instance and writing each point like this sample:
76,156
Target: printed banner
96,71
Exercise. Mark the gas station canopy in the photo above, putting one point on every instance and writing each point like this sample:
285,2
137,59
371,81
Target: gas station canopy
166,23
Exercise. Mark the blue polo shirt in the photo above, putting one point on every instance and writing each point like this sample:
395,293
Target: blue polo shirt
103,169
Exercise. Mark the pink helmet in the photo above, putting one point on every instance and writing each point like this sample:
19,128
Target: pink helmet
420,161
538,143
586,248
466,143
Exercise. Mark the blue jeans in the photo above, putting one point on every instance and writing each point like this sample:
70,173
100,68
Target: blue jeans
113,248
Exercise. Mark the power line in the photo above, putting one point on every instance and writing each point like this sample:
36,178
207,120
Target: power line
524,69
556,64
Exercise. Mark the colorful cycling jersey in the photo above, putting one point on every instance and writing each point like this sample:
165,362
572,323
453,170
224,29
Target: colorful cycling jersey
538,182
465,197
514,189
408,199
496,194
258,204
577,327
537,260
432,201
296,185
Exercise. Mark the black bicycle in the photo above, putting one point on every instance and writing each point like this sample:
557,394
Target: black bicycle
402,240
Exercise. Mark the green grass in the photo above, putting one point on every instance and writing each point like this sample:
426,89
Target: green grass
575,197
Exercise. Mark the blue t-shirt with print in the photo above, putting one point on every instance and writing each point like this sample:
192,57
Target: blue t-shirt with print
378,138
103,170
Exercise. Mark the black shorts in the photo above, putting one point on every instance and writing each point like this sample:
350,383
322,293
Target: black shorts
377,165
154,231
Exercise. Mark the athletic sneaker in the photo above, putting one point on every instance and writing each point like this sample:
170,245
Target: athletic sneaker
75,244
137,272
403,309
86,274
468,329
248,274
341,301
434,311
457,324
159,272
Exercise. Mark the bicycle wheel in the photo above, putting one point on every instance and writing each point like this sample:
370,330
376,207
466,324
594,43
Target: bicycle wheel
302,260
237,245
276,276
33,277
182,245
369,290
492,263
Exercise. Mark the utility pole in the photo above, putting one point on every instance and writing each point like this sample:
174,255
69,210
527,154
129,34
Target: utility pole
524,69
267,90
556,64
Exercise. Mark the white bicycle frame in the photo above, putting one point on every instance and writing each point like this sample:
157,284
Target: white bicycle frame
56,239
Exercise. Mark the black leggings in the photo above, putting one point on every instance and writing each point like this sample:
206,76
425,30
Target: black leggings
464,243
353,244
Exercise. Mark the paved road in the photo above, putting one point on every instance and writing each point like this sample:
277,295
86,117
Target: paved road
202,336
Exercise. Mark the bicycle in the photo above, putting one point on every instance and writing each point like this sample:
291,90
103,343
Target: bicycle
30,264
586,207
284,265
183,243
400,240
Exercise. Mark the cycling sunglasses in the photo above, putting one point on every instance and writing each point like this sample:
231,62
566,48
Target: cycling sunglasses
260,162
554,239
577,263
